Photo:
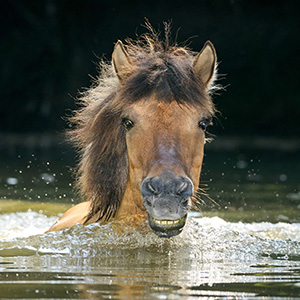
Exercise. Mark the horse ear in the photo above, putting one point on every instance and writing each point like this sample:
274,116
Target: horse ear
121,61
205,63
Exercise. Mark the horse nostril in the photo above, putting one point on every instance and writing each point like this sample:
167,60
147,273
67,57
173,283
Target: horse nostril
184,188
151,186
181,187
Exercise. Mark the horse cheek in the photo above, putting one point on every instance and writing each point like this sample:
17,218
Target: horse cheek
137,157
197,161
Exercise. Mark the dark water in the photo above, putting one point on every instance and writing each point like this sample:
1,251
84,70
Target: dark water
245,245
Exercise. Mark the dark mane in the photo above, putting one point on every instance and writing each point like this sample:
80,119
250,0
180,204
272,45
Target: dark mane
157,69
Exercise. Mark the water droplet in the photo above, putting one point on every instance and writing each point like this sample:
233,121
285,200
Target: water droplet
282,177
12,181
48,178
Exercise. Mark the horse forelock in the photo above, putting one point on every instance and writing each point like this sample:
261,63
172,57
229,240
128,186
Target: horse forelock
166,72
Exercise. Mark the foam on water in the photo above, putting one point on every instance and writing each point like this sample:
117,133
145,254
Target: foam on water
24,224
207,239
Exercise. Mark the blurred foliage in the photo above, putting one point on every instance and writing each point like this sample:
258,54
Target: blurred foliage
50,48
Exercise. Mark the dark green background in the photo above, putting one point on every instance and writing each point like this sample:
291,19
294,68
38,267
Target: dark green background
50,48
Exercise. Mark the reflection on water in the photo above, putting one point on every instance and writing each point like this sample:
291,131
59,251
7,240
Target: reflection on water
247,246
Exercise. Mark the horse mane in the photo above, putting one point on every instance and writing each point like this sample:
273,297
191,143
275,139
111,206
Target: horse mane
157,68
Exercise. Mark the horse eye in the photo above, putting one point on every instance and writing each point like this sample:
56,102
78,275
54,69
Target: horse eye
128,124
203,124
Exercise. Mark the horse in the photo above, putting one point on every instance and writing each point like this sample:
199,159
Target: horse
140,133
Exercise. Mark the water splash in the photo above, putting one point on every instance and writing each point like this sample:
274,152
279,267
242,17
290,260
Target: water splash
23,224
203,239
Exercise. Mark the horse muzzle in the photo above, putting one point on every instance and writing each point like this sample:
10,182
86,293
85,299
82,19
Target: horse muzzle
166,203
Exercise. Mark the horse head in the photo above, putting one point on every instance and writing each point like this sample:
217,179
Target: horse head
165,131
141,133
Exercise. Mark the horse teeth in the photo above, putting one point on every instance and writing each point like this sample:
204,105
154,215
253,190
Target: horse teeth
167,222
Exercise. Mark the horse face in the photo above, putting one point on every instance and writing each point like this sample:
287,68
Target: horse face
165,151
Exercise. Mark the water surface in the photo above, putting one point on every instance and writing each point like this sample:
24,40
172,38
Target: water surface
246,246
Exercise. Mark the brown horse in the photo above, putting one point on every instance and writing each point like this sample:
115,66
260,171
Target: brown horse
141,134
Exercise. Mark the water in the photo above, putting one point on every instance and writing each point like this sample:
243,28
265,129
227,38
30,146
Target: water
246,247
212,258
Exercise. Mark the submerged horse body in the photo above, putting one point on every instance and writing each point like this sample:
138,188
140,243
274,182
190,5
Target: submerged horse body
141,133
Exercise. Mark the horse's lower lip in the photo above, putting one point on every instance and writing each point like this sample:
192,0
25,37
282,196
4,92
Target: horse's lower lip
166,228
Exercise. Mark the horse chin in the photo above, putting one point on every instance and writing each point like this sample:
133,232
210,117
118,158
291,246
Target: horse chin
167,228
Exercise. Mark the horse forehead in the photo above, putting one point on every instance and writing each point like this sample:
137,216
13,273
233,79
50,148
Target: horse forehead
169,110
164,112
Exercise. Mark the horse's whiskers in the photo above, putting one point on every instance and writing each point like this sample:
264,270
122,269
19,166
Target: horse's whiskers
197,200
